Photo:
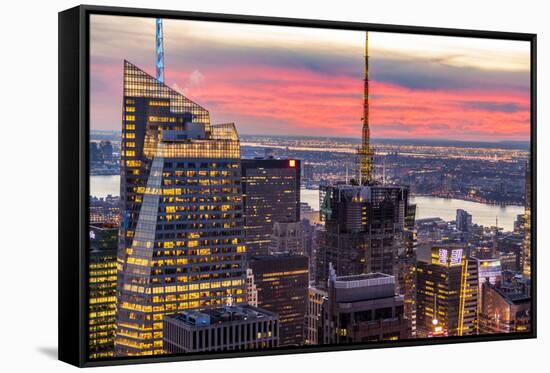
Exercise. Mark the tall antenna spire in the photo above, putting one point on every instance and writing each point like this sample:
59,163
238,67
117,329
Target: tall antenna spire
366,164
160,51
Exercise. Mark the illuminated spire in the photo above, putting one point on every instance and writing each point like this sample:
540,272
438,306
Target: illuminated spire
160,51
366,161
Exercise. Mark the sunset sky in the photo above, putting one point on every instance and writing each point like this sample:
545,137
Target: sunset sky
303,81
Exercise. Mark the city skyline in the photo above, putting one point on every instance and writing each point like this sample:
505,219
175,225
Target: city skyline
421,86
214,230
465,143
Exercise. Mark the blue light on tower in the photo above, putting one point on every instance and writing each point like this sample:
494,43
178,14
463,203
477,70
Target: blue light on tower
160,52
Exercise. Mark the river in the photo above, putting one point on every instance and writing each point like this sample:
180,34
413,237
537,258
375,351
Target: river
427,207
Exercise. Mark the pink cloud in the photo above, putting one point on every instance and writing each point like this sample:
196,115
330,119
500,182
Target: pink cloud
268,99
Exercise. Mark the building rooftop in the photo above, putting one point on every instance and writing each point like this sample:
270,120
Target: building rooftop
511,293
364,280
220,315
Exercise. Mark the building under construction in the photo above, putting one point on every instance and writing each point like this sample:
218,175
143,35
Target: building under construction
365,221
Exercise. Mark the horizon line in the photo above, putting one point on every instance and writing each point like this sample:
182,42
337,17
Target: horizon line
359,139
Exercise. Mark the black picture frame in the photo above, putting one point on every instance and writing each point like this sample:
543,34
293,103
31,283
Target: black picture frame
73,165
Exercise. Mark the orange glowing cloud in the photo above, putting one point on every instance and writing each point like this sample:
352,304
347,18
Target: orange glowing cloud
265,99
309,82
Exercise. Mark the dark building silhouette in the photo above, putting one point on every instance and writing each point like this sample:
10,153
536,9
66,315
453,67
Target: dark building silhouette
463,220
106,150
281,282
271,194
405,273
364,229
506,308
363,308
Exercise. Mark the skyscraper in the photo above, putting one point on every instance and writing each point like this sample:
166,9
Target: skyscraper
364,220
181,241
271,194
447,292
144,98
102,290
405,273
463,220
364,229
282,283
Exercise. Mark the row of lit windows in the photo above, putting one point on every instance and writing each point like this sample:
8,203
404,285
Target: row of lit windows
196,148
173,307
224,191
201,182
203,207
193,173
159,103
94,315
94,300
94,280
160,119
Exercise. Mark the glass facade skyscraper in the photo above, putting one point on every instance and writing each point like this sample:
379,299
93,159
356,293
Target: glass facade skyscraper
181,239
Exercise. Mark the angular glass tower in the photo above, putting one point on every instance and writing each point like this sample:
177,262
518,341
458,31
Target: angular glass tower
181,237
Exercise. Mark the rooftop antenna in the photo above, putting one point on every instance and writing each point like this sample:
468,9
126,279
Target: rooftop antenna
366,165
159,51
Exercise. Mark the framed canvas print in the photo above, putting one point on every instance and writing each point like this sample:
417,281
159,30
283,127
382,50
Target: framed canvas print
234,186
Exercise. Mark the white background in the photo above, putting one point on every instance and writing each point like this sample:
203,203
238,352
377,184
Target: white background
28,165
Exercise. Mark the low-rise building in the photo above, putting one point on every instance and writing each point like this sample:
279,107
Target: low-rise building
221,329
